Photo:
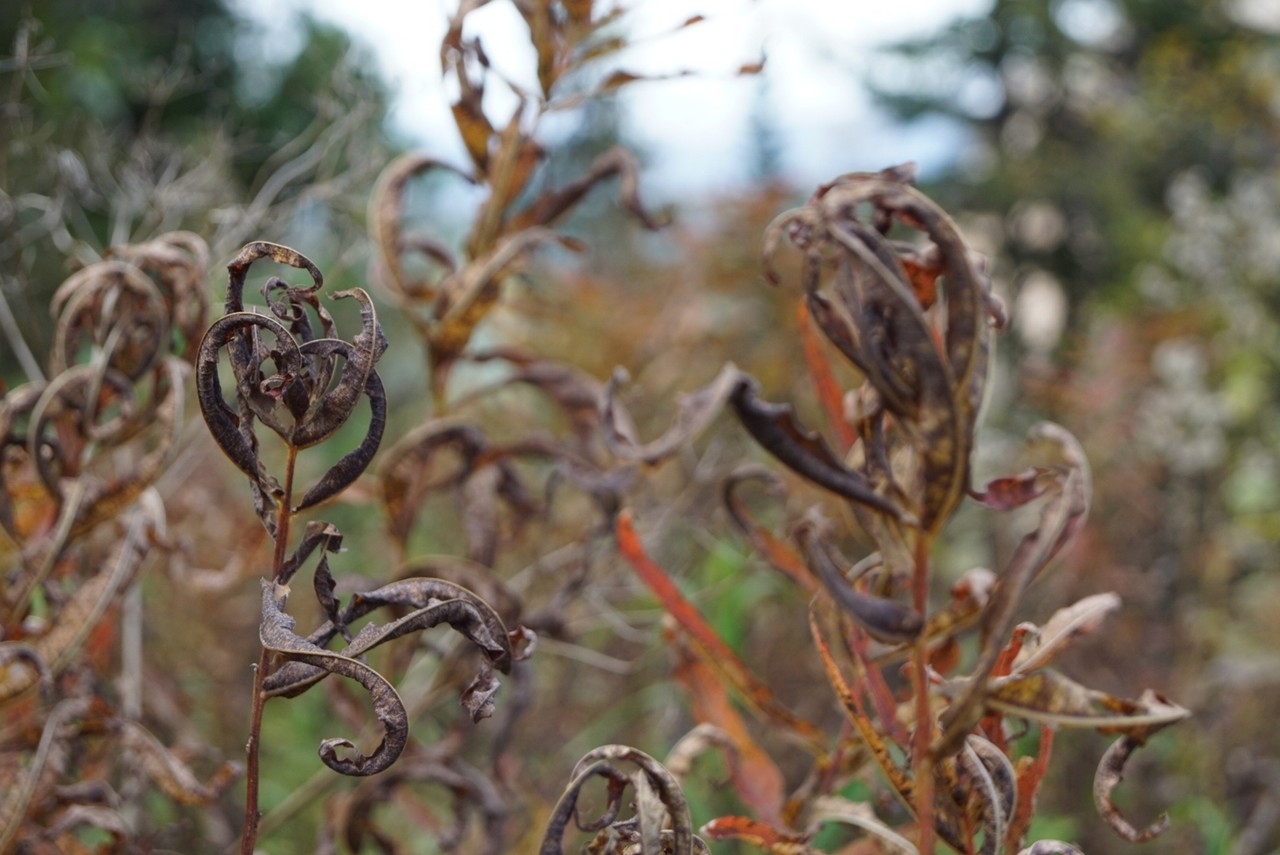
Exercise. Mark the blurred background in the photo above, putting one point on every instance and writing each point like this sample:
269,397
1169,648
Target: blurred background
1118,160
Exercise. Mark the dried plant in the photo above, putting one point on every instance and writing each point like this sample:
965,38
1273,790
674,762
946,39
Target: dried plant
81,518
915,320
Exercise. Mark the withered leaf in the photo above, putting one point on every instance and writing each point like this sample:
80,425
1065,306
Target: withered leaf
434,601
238,269
353,464
774,427
704,639
1005,494
694,412
885,620
1110,774
406,467
174,777
779,555
1063,514
762,835
658,796
1062,628
276,634
860,815
752,772
1047,696
477,697
224,423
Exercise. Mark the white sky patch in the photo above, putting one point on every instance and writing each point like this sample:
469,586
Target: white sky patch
696,131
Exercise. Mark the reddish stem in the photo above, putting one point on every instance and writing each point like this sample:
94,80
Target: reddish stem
252,814
923,736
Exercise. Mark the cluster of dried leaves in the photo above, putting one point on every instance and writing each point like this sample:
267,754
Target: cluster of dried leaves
893,290
81,518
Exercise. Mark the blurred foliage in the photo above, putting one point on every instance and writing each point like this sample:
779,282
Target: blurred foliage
125,120
1125,167
1123,175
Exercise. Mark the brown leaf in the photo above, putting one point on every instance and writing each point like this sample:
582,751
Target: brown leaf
657,794
885,620
174,777
1110,774
1049,697
276,634
1063,627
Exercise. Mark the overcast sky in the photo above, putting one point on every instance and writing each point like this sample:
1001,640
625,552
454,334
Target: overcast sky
696,130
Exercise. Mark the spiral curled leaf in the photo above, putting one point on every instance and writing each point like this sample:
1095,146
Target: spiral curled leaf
276,634
433,602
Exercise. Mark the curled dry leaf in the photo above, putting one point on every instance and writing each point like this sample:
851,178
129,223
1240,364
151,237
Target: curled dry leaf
884,620
295,399
174,777
771,425
835,809
276,634
433,602
1063,627
1109,775
779,555
1066,505
1048,697
658,801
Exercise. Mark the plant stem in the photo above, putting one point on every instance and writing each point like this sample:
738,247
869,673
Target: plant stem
252,814
923,736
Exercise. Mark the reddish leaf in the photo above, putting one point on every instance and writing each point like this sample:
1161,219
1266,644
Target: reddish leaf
706,643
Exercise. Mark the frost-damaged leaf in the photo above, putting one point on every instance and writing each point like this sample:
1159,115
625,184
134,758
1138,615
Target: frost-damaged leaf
705,642
1063,627
658,798
804,452
1063,514
434,601
1110,774
1049,697
353,464
276,634
885,620
762,835
754,776
477,697
174,777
